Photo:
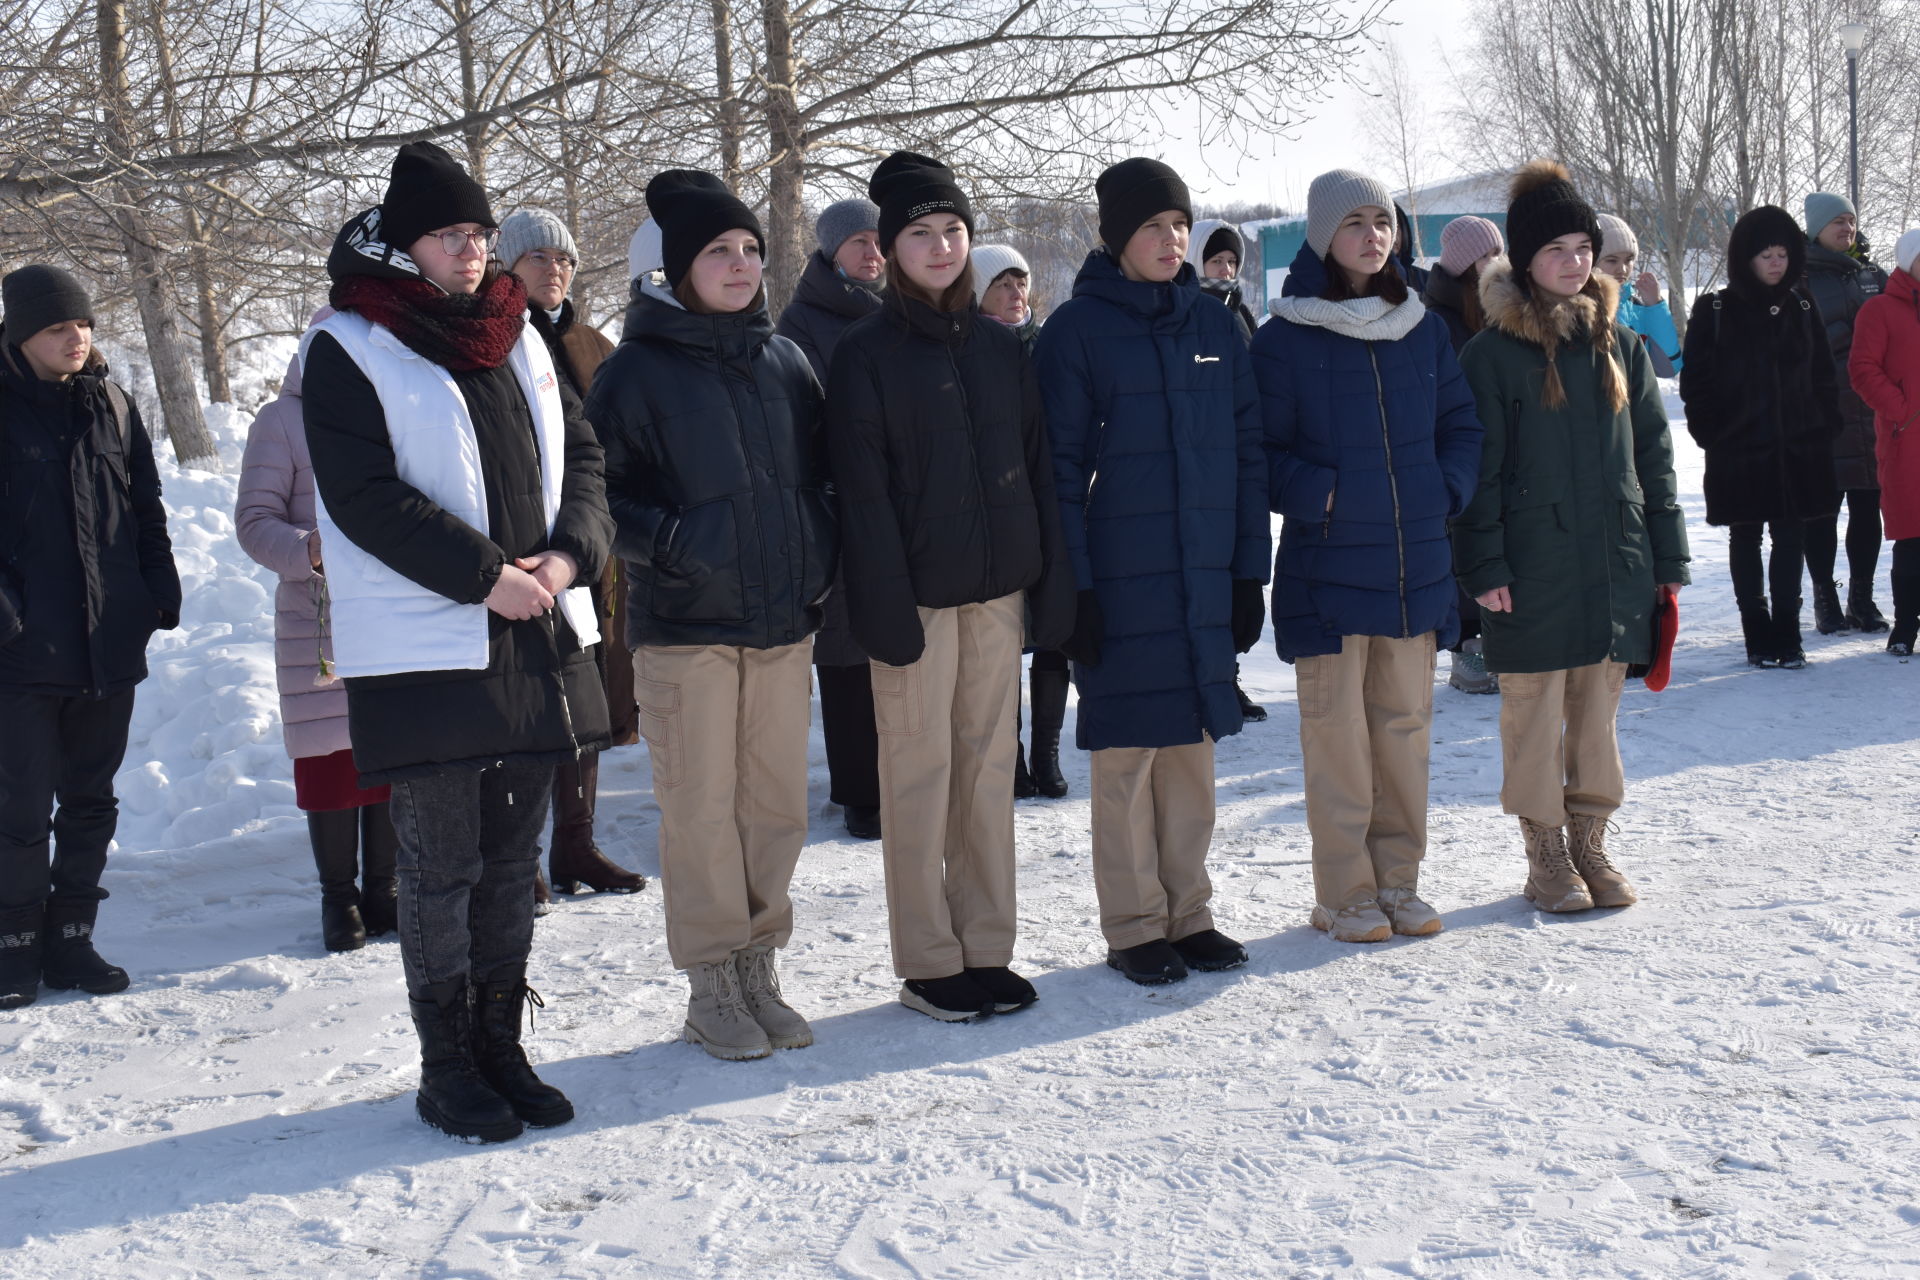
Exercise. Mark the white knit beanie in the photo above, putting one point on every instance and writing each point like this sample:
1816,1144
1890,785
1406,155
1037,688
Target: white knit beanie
990,262
1335,195
529,229
646,251
1906,252
1617,237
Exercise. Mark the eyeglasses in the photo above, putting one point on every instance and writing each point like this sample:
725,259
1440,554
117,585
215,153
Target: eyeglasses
454,243
559,261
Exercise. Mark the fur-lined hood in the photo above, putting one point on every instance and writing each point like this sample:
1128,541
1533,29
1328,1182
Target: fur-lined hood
1550,323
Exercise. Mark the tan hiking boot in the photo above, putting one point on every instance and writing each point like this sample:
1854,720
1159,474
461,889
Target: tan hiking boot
718,1019
1410,915
1364,922
1552,882
1587,843
760,985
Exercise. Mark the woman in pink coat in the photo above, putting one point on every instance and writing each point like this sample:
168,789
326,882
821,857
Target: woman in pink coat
1885,370
349,825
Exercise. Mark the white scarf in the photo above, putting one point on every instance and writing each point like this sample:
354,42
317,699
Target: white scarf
1368,319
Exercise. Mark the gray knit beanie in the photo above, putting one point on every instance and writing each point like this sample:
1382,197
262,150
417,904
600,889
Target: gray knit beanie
1823,207
1335,195
843,220
527,229
1616,236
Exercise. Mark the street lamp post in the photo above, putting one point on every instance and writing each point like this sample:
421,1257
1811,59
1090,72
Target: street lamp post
1853,35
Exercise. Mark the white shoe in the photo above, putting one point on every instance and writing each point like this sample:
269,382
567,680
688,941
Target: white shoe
1410,915
1362,923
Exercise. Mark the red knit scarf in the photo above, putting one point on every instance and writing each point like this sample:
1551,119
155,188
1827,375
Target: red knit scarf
460,332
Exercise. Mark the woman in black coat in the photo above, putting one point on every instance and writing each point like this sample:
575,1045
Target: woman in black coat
1763,401
948,518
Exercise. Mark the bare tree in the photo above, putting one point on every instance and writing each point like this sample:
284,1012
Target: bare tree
1396,124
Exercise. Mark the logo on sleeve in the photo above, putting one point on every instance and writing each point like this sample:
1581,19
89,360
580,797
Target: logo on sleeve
544,382
1200,359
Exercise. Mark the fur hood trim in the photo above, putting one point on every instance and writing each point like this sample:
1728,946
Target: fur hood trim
1549,325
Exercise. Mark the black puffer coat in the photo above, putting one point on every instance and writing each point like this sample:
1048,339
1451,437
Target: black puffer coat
84,550
540,699
1840,285
944,475
1445,296
1761,393
715,477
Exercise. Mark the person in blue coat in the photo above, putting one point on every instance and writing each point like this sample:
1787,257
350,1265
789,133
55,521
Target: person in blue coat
1158,470
1374,445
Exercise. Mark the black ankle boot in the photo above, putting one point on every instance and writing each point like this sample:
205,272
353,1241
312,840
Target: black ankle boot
20,944
67,957
1862,612
1756,626
454,1098
1829,617
379,891
1250,711
1049,691
1787,650
1023,788
335,834
498,1055
1906,616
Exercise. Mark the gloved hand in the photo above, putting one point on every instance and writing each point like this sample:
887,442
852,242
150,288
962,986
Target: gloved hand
1089,628
1249,614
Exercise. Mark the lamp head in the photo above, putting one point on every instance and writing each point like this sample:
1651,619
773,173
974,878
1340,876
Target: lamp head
1854,36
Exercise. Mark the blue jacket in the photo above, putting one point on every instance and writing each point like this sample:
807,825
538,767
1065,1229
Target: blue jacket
1654,323
1155,426
1389,432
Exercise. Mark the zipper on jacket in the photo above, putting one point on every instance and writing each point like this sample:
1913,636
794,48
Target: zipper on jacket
1393,487
979,490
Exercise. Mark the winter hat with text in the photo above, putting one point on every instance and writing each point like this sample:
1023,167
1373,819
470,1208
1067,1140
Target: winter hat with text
692,208
908,186
426,190
1906,252
1616,237
39,297
1544,206
1823,207
528,229
842,220
1465,241
1132,192
990,262
1333,196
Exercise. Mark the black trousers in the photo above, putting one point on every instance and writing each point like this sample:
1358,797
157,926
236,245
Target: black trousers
58,751
853,747
1863,539
1781,579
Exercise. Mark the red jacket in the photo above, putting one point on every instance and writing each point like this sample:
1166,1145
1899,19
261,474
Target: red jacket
1885,367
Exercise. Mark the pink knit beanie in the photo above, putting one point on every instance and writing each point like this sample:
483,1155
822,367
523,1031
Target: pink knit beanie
1465,241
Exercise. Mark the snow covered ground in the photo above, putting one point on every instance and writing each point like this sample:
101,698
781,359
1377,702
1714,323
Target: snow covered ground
1718,1082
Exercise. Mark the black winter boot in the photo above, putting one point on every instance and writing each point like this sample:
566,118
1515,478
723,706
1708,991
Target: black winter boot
1023,788
1049,690
454,1097
1828,615
67,957
1906,616
1862,612
335,834
1250,711
379,891
20,931
1787,650
497,1052
1756,625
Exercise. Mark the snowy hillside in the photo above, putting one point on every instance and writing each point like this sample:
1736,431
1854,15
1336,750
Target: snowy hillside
1720,1082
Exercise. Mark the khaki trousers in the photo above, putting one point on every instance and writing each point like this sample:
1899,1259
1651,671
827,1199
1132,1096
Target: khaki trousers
726,732
945,725
1558,746
1366,732
1152,825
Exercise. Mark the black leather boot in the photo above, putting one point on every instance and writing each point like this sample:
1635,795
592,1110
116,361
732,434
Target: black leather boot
498,1055
1829,616
379,890
67,957
1862,612
1023,788
454,1097
1906,615
335,834
574,859
1787,650
1756,626
1049,689
20,942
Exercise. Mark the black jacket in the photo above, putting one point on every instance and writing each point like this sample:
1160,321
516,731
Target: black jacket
1233,297
944,475
715,477
539,700
84,555
1840,285
1445,296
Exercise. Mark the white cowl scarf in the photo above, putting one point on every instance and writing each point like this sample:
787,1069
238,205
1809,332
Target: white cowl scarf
1368,319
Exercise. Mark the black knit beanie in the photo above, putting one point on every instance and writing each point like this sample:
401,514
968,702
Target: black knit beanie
429,189
693,208
39,297
1758,230
1544,206
908,186
1133,191
1222,239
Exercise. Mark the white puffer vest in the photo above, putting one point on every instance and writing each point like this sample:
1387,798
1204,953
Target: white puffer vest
383,623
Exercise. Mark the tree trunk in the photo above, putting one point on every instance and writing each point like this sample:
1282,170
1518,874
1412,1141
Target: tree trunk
213,334
729,101
786,196
475,134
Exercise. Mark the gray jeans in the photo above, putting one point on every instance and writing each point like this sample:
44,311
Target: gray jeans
469,850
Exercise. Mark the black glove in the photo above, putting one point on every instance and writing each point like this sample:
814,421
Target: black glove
1249,614
1083,646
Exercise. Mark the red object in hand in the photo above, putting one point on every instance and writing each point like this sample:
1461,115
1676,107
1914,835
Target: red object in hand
1666,629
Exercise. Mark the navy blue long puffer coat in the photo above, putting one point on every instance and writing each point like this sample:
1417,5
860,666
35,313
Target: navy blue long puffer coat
1389,431
1155,425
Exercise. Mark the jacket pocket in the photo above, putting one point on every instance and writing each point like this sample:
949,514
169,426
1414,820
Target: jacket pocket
896,699
819,544
696,577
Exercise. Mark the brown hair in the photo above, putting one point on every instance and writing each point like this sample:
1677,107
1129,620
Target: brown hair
1384,283
1471,312
690,299
955,297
